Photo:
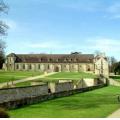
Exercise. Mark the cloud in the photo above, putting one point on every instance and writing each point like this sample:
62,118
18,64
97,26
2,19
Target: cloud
91,44
110,46
104,44
48,45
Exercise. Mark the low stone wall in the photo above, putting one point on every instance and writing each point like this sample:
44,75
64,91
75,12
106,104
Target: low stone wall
37,99
22,92
65,85
114,82
55,87
15,97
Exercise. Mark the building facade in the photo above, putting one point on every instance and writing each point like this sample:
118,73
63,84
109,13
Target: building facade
57,63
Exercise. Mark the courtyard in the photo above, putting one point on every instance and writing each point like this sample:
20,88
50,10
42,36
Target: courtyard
59,76
10,76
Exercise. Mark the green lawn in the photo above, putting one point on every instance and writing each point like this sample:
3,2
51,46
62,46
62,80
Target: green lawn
93,104
6,76
23,84
61,75
70,75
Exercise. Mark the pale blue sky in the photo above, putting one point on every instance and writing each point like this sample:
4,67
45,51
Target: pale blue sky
63,26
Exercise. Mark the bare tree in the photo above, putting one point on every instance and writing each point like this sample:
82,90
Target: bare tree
3,26
3,31
112,63
97,52
2,52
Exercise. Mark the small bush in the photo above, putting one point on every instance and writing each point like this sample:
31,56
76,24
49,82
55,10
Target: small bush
3,113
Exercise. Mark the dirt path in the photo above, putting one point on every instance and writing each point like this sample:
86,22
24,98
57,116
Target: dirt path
115,114
26,79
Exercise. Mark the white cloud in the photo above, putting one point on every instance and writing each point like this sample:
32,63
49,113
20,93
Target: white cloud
104,44
48,45
98,43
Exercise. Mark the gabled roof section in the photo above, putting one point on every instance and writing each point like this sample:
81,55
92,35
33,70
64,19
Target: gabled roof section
11,55
98,57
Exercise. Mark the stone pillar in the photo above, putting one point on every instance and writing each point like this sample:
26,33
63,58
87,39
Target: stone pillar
20,66
51,86
26,66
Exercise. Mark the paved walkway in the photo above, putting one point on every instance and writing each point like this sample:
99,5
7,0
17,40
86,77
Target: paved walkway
26,79
115,114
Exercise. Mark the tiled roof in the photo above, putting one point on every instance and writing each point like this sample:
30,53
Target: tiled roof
54,58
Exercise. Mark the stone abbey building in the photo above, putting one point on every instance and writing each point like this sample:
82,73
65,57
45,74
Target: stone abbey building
57,63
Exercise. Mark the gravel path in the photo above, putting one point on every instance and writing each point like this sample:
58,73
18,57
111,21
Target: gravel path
115,114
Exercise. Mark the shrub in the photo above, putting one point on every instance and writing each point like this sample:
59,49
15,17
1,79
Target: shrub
3,113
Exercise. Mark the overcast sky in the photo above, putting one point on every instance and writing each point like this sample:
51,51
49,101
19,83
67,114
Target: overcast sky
63,26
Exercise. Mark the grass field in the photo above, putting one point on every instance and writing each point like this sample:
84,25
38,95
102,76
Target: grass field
61,75
6,76
93,104
70,75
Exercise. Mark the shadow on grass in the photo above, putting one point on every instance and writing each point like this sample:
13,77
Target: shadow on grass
115,77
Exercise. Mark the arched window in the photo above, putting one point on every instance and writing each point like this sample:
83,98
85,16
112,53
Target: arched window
88,68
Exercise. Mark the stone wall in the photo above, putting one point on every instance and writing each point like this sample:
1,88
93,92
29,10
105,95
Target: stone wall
56,87
17,103
14,97
52,67
114,82
102,67
22,92
65,85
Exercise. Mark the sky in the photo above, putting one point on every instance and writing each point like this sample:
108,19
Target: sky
63,26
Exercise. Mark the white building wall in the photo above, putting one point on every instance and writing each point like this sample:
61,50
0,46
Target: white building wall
102,67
